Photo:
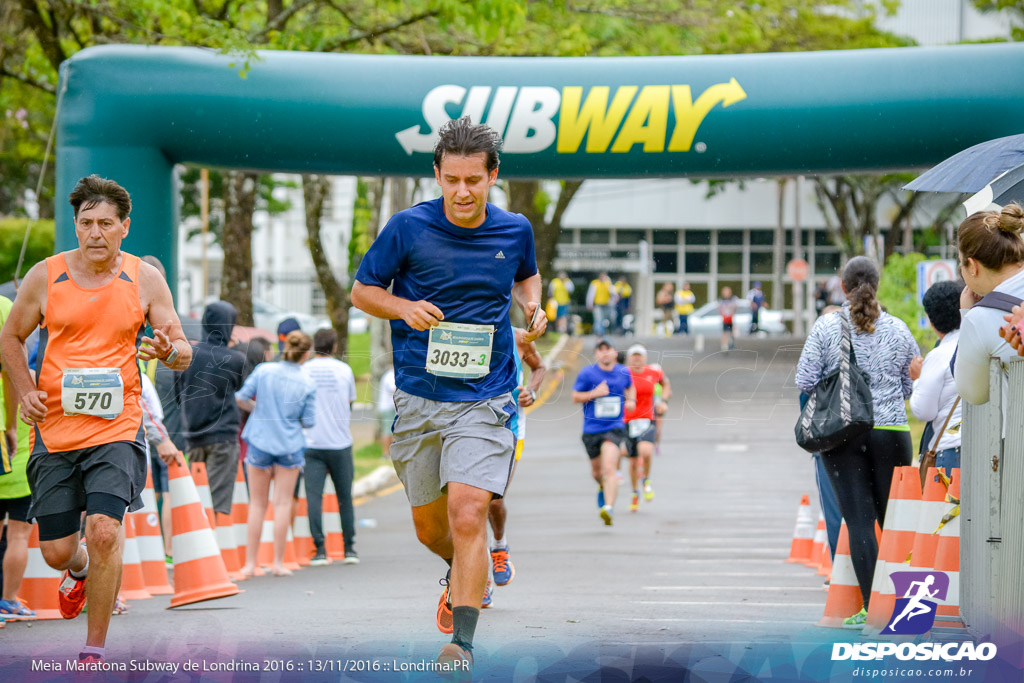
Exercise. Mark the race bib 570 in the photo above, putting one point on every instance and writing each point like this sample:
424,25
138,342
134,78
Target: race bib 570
92,391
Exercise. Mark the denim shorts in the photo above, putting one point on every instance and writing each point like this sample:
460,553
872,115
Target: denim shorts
263,460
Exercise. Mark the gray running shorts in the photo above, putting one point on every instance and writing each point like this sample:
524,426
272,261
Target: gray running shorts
437,442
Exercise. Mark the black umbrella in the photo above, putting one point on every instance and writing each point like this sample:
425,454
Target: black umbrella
974,168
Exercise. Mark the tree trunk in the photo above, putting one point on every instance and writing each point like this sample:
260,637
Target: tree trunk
526,197
314,191
236,277
380,330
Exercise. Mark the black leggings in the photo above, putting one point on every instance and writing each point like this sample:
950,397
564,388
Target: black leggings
861,474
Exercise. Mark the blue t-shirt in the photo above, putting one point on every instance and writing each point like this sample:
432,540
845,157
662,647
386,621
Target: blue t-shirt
605,413
466,272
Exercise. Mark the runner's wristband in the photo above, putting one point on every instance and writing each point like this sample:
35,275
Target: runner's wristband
171,356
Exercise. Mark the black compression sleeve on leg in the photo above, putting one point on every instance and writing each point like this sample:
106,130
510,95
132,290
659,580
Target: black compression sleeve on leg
105,504
464,626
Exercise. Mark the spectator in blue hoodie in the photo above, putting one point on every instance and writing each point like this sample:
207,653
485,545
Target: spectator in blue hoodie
209,413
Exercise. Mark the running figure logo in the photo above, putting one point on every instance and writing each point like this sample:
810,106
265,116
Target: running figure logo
915,611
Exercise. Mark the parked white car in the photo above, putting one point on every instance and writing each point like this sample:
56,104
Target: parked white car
707,321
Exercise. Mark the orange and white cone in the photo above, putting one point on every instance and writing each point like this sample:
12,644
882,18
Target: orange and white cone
820,541
933,508
825,562
199,571
240,512
304,546
202,481
41,582
947,559
803,533
898,532
334,540
844,596
133,583
225,534
146,522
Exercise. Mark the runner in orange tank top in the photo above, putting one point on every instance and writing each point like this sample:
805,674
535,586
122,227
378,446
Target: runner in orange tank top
88,451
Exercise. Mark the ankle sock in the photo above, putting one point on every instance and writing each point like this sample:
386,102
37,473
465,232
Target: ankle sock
500,544
82,574
91,650
464,620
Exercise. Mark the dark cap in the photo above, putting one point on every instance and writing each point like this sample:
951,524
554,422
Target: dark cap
286,327
604,341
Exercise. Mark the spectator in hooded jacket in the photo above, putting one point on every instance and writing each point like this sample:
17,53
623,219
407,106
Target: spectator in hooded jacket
209,413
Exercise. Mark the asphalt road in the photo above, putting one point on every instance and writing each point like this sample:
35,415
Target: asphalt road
697,578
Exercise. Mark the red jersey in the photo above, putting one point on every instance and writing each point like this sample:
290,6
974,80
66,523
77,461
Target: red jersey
644,382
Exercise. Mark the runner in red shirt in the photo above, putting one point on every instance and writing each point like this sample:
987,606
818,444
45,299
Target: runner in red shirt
640,428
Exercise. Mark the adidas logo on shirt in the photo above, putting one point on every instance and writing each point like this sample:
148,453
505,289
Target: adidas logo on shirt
499,255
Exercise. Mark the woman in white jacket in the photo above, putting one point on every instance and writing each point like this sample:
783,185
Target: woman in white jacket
991,260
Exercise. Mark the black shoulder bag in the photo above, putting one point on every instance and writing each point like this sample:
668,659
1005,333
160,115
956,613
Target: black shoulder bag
840,407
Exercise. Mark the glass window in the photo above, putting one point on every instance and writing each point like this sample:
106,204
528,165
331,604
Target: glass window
665,237
565,236
698,262
730,237
700,291
761,263
666,262
762,238
822,239
629,236
826,263
730,262
697,238
595,237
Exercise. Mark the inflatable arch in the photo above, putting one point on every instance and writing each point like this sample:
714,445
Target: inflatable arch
131,113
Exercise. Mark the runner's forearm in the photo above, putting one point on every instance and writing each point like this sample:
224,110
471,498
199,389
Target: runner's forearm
377,301
526,291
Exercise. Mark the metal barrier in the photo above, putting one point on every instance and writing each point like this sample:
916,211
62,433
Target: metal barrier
992,507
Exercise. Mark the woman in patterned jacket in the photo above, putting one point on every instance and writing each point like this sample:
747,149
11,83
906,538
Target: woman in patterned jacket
861,470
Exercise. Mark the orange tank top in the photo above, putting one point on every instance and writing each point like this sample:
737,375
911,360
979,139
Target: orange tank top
89,328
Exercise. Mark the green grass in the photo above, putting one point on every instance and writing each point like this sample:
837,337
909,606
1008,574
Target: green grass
367,458
358,356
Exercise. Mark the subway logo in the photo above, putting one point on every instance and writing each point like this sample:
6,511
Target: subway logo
598,121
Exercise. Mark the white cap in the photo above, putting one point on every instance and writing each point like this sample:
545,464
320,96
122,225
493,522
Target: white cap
637,349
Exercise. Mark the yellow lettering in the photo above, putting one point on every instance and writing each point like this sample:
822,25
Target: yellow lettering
690,114
594,118
647,121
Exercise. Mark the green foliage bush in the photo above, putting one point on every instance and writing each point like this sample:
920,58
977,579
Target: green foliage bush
40,245
898,293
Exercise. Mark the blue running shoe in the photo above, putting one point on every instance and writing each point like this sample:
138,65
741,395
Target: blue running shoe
504,571
600,497
486,602
13,610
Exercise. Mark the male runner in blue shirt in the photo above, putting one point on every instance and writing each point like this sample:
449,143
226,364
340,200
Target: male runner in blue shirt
454,264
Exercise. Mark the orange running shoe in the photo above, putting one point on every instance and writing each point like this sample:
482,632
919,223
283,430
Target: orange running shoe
635,504
71,596
445,623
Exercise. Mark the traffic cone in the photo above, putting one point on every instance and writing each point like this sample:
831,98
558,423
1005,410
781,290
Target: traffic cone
304,546
898,531
133,583
803,533
265,556
933,508
844,598
199,571
334,540
820,541
225,534
146,523
947,559
825,565
41,582
203,488
240,512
